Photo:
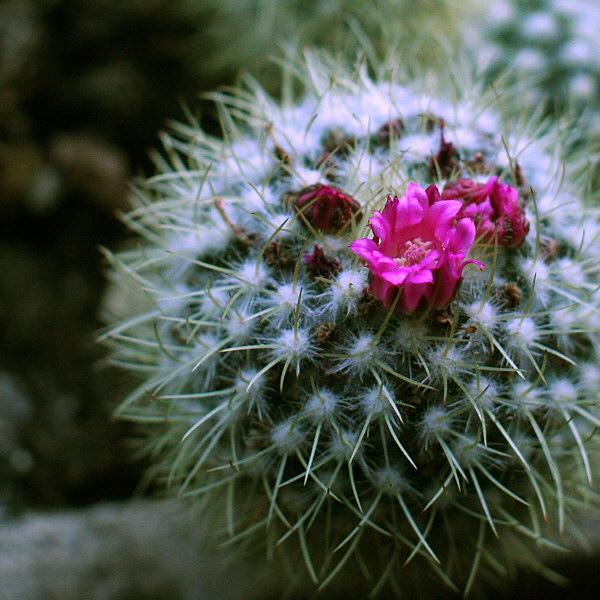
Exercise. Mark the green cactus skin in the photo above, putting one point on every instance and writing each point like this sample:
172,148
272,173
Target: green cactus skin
241,35
390,452
554,40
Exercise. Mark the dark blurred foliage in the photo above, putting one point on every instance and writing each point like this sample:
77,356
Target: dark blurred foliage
85,85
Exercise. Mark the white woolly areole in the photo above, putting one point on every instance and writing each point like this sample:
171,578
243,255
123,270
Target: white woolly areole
348,288
485,315
521,332
578,50
526,393
292,344
247,160
415,147
240,325
484,392
303,177
246,376
436,422
589,377
540,25
445,361
363,345
203,239
288,296
537,273
571,272
213,302
252,273
583,86
283,224
172,302
256,200
563,390
287,437
389,481
468,452
502,12
361,353
321,404
342,445
373,402
409,336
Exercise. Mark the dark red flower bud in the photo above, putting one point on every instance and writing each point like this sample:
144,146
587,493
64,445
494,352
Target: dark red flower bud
494,207
326,208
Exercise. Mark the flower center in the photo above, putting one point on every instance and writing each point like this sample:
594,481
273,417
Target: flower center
413,252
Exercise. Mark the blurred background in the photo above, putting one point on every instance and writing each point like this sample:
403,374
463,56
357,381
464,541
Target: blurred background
85,88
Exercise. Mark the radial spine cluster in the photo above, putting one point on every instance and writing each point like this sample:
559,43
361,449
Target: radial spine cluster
554,40
317,420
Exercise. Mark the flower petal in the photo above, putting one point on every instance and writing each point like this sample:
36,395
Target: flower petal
418,251
441,214
460,238
412,294
364,248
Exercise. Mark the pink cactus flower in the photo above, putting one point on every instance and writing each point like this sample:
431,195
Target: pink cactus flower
417,250
494,207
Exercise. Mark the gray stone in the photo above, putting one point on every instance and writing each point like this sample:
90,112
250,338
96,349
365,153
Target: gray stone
142,550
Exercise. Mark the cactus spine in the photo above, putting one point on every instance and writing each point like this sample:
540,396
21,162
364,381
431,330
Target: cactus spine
275,385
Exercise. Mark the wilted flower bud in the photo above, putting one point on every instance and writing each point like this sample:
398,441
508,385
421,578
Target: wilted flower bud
445,159
319,265
494,207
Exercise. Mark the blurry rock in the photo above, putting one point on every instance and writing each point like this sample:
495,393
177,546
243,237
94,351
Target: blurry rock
147,550
14,123
44,191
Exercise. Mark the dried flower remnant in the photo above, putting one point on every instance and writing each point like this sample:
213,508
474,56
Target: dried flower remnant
494,207
391,130
325,207
337,141
445,159
276,256
416,250
320,266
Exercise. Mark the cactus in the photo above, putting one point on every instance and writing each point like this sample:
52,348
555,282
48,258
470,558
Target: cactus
228,44
370,334
554,40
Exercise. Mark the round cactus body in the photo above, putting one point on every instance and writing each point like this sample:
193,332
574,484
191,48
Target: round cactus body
555,41
242,35
371,329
